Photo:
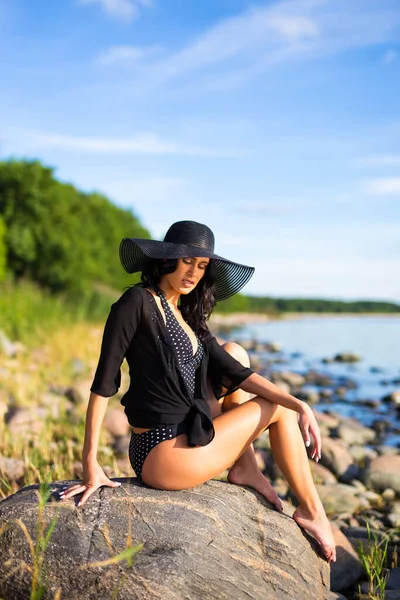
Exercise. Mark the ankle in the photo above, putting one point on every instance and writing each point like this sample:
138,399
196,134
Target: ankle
311,509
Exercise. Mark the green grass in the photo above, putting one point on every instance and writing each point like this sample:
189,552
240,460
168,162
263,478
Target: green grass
374,558
28,313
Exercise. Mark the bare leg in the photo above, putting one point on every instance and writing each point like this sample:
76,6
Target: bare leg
173,465
245,470
291,457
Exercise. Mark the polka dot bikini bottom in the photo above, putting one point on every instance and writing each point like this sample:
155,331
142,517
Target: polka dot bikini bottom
141,443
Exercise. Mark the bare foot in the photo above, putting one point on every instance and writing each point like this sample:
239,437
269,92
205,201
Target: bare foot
240,476
318,526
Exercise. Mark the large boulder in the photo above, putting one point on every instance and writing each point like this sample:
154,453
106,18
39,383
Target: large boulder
384,472
336,458
353,432
339,498
217,541
347,569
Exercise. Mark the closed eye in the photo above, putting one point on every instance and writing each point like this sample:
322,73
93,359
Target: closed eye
203,265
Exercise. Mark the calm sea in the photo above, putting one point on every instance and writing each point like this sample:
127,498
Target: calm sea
306,341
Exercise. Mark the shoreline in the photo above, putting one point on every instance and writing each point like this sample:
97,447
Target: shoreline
245,318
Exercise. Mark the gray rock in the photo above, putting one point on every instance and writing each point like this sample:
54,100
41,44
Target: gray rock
293,379
115,422
364,533
389,495
3,408
320,379
373,499
347,569
273,347
121,445
353,432
328,420
308,394
393,398
12,468
340,498
393,520
326,394
78,367
362,454
387,450
347,357
321,474
384,472
381,426
217,541
25,421
394,579
73,395
337,459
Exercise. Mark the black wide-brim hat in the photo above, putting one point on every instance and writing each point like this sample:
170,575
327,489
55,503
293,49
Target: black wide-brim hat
186,239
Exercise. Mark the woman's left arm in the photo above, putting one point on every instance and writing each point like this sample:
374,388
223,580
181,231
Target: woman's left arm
258,385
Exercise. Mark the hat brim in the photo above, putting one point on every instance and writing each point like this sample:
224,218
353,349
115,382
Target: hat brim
230,277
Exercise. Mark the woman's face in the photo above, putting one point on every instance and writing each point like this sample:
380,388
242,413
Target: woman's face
187,274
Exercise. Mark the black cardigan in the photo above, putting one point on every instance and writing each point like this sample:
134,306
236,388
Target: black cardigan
157,394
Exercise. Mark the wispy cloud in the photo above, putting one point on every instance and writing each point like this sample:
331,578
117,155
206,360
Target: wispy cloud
384,186
249,43
125,10
143,143
126,55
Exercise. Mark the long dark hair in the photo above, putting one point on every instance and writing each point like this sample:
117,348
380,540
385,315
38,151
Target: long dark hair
196,307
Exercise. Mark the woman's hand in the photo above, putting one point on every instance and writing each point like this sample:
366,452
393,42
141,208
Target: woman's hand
93,478
310,431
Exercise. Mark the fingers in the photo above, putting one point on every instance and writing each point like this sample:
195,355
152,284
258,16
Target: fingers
86,489
72,491
311,435
316,434
89,491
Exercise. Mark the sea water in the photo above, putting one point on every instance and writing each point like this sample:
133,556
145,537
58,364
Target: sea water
306,341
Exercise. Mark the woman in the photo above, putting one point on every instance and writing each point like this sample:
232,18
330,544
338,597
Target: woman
188,401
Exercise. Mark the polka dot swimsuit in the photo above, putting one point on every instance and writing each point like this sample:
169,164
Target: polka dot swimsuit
141,443
187,363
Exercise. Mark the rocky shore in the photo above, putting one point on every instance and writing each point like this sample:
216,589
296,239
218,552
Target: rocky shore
358,477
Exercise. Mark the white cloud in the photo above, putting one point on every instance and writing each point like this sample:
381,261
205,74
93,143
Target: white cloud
126,55
144,143
379,160
238,36
383,186
120,9
389,56
251,42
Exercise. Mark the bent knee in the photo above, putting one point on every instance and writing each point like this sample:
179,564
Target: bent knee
238,352
282,412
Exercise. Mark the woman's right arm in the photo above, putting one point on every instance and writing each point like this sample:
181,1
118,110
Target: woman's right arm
119,331
93,475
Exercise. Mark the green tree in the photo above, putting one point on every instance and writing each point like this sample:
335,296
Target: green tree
3,250
58,236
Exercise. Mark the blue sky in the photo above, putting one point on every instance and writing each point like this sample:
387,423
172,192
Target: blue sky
276,123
